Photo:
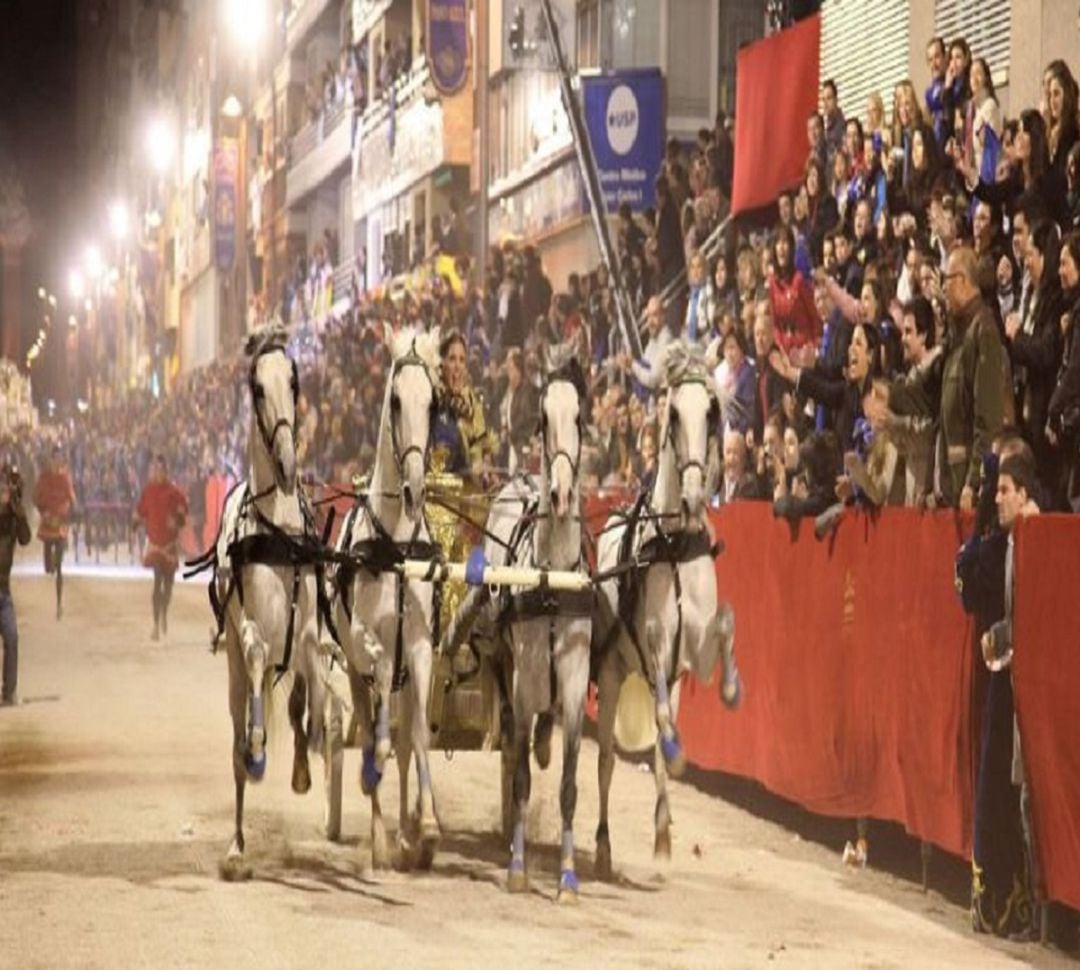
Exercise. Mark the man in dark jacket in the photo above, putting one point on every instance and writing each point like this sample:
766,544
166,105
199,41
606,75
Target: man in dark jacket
971,390
13,528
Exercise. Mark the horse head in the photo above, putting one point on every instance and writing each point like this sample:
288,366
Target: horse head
275,390
413,394
691,426
562,423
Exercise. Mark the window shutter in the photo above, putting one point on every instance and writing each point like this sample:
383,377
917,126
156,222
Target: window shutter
864,48
984,24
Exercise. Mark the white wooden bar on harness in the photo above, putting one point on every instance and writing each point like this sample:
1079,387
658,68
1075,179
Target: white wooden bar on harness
527,577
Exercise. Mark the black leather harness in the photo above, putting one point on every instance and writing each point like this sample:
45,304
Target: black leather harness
664,548
269,545
383,554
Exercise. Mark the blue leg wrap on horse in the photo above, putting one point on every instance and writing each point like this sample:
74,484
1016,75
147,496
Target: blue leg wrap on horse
370,776
474,567
255,766
670,748
568,880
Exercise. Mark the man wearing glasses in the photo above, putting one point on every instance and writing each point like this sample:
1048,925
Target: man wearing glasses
969,392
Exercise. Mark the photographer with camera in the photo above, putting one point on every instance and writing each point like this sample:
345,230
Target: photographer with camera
13,528
54,498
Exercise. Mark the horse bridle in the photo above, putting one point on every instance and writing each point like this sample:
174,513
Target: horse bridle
258,394
411,359
712,420
552,457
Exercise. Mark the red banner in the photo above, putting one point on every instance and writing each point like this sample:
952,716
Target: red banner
776,83
857,664
1046,685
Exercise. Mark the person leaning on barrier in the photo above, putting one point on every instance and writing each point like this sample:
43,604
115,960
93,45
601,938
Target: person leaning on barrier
13,528
970,391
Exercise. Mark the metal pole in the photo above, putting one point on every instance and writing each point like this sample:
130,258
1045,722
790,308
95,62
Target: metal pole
483,32
597,208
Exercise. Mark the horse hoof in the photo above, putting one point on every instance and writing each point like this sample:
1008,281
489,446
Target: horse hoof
380,856
674,758
370,774
731,689
517,880
233,868
301,778
662,846
425,858
255,766
569,890
603,862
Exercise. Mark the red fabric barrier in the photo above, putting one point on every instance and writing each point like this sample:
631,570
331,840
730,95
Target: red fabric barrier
775,94
1046,683
857,663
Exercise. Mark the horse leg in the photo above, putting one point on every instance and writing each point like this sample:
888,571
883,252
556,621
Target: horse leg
421,741
506,745
378,723
363,700
608,702
573,685
518,879
404,750
255,660
545,724
301,773
667,736
722,627
233,866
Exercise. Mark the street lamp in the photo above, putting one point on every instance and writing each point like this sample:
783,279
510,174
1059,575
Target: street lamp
76,284
118,219
94,264
247,20
160,145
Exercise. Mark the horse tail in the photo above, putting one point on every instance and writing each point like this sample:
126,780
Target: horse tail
457,630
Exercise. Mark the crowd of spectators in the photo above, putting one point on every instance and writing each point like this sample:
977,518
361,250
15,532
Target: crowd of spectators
915,297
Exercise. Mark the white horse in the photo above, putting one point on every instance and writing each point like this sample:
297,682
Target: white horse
659,615
386,622
543,635
265,586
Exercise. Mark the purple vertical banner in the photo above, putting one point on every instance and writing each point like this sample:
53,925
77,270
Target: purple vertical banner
226,169
448,44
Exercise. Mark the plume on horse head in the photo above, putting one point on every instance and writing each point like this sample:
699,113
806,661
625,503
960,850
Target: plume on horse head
563,365
425,344
682,361
274,336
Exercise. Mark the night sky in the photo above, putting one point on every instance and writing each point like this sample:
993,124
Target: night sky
37,126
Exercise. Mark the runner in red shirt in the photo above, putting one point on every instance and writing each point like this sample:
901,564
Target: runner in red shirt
162,509
54,498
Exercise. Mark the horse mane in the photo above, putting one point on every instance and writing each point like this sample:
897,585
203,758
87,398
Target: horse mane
425,344
567,367
274,336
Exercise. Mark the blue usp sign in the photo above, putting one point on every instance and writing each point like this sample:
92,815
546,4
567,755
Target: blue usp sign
625,115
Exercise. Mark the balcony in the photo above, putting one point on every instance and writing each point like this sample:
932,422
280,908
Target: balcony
400,144
303,15
317,151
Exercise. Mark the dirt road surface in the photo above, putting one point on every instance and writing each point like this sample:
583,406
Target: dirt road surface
116,806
